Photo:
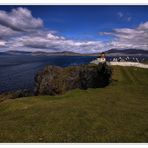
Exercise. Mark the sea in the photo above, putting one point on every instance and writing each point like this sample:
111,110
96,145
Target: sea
17,72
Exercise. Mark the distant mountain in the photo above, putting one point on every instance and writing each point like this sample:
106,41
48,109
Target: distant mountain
18,52
42,53
13,52
64,53
111,52
38,53
127,51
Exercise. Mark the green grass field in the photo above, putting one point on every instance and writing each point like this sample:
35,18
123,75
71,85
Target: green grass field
117,113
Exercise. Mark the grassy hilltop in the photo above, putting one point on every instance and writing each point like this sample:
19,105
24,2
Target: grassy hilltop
116,113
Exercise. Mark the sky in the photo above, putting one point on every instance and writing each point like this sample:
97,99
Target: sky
82,29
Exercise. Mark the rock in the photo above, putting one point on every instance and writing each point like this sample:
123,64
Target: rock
15,94
53,80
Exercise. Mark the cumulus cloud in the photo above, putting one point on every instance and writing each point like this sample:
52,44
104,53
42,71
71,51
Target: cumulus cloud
20,19
20,30
50,41
16,23
51,36
53,42
2,43
6,32
130,38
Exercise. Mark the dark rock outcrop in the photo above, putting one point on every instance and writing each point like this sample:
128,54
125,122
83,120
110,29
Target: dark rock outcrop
54,80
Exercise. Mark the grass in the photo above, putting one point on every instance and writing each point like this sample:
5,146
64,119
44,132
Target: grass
117,113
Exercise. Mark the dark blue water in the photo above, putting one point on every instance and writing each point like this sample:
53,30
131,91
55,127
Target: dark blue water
18,71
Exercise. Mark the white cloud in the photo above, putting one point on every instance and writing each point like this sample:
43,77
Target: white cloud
130,38
7,32
20,30
51,36
20,19
120,14
124,16
2,43
143,26
50,41
53,42
16,23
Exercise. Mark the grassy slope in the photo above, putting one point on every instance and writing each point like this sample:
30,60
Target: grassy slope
117,113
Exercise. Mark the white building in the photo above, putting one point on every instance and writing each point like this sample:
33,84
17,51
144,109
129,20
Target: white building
101,60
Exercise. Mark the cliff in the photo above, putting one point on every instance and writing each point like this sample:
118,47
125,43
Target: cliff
53,80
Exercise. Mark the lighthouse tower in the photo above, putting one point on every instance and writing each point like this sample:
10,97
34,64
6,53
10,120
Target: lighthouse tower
101,58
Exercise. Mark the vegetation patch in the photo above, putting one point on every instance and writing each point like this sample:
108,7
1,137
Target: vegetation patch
116,113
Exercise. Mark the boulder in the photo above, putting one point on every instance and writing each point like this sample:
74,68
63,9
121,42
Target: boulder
53,80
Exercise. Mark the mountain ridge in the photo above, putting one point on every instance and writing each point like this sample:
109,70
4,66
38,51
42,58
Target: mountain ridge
109,52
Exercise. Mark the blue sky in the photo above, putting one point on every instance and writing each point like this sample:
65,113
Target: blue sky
102,27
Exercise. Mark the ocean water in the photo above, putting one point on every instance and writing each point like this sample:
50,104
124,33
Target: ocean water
18,71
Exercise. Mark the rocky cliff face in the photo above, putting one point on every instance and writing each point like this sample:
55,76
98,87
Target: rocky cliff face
54,80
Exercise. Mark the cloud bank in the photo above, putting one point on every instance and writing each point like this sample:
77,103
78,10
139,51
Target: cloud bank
130,38
19,30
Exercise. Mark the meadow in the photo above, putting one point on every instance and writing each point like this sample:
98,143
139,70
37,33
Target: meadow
116,113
